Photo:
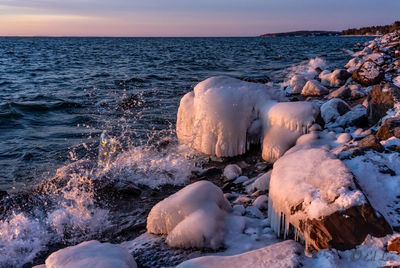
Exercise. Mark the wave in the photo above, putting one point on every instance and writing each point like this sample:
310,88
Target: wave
71,206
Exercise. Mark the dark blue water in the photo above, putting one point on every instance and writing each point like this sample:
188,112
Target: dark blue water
58,94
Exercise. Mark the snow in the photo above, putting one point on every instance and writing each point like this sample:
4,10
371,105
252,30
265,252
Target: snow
378,175
295,116
313,178
355,116
215,117
232,171
192,217
91,254
277,141
284,254
314,88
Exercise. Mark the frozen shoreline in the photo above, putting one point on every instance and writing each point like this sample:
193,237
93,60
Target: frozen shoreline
257,230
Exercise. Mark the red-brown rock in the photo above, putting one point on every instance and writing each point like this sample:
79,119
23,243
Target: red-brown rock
369,73
389,128
380,100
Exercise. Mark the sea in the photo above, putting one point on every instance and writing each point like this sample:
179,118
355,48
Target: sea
76,110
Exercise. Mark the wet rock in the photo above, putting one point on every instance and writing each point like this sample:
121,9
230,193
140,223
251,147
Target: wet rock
333,108
370,142
314,88
3,194
369,73
389,128
346,229
380,100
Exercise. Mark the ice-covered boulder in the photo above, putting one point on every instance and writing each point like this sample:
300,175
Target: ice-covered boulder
285,122
296,84
215,117
223,116
91,254
313,194
314,88
334,79
369,73
284,254
194,217
353,64
332,109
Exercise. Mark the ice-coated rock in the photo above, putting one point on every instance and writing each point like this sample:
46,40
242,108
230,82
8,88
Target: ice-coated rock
91,254
284,254
296,84
314,88
334,79
332,109
232,171
194,217
313,194
215,117
223,116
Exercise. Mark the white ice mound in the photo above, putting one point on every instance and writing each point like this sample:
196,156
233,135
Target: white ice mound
91,254
284,254
194,217
309,184
285,122
215,117
223,116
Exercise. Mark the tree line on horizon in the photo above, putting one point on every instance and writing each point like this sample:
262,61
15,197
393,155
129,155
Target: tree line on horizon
373,30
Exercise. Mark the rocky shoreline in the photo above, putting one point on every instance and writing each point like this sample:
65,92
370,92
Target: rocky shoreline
355,141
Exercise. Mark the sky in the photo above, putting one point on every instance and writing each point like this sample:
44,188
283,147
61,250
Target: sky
188,17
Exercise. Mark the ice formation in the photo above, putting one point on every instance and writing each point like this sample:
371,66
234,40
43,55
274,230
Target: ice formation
215,117
223,115
283,254
192,217
284,123
308,184
91,254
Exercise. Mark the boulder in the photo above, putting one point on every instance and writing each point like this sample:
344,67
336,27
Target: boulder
380,100
369,73
346,229
314,88
343,92
304,201
389,128
296,84
193,217
355,117
333,108
370,142
334,79
91,254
